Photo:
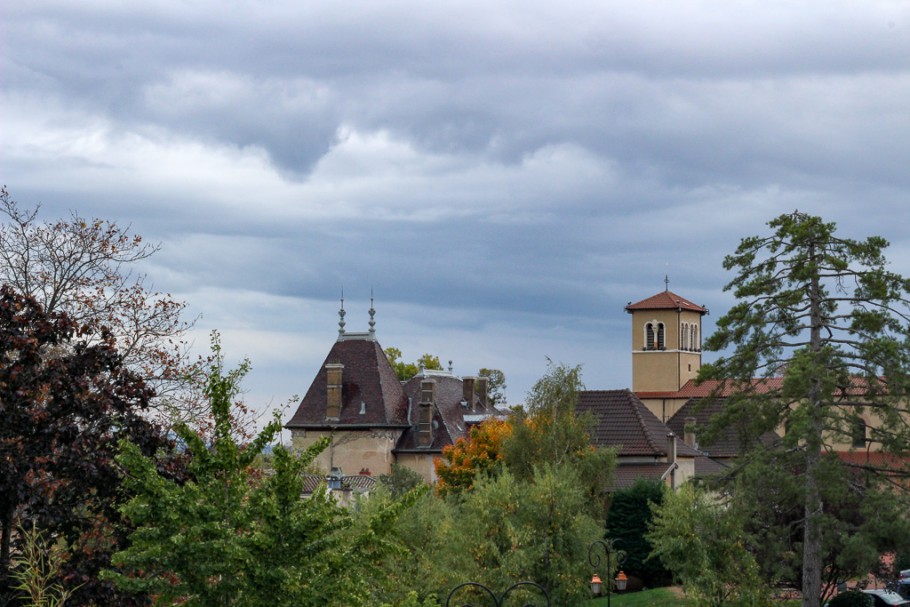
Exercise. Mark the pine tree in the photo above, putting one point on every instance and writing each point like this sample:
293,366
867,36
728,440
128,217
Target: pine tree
819,340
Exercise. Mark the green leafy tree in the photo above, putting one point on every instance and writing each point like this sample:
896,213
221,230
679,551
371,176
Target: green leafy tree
228,536
548,431
705,545
496,385
498,521
502,531
435,557
819,337
400,480
406,371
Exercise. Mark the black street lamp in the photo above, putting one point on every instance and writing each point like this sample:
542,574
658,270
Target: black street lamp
613,557
498,601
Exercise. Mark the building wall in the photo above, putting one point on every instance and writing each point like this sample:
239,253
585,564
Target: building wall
419,463
664,408
352,450
668,369
685,471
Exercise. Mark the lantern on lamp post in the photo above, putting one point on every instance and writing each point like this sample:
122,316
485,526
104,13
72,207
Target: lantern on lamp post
614,558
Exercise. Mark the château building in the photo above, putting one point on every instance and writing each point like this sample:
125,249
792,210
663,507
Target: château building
373,419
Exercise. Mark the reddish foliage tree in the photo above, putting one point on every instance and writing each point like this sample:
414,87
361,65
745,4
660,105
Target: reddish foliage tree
85,267
64,404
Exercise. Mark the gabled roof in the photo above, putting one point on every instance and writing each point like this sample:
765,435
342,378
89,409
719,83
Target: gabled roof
622,419
626,474
666,300
857,388
728,443
692,390
449,423
371,392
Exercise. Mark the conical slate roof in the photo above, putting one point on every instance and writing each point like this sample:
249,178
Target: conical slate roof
371,392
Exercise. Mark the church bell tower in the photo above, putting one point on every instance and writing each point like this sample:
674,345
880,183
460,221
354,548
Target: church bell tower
666,342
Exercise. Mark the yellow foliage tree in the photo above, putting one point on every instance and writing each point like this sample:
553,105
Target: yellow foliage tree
462,462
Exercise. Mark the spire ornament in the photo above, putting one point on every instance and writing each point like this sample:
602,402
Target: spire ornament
372,318
341,314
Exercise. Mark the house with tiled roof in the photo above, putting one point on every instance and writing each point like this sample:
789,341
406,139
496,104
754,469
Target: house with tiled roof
690,421
373,419
646,447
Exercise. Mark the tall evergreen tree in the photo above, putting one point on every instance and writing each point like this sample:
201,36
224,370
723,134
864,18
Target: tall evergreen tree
819,339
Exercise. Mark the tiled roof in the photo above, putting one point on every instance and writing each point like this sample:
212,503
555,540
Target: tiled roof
691,390
759,385
729,443
627,474
622,419
876,459
666,300
360,483
708,466
369,384
448,418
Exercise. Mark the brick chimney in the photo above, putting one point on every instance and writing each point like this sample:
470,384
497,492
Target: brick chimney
483,391
425,412
467,392
689,437
333,372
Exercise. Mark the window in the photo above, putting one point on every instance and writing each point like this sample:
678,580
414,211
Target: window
858,434
684,337
649,336
660,336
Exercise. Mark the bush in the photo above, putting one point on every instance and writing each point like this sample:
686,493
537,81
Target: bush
627,521
851,598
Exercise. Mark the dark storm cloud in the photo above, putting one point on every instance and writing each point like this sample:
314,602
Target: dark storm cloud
506,176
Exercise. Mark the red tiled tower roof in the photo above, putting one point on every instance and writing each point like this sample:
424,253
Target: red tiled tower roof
666,300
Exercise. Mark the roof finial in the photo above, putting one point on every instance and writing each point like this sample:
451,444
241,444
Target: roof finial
372,318
666,282
341,314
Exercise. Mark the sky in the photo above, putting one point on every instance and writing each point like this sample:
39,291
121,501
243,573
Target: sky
503,177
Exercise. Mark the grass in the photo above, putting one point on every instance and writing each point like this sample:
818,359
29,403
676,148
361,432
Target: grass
656,597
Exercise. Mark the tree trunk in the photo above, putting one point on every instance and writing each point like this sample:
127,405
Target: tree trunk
812,542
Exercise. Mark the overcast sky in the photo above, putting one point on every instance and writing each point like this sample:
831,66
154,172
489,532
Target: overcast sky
505,176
